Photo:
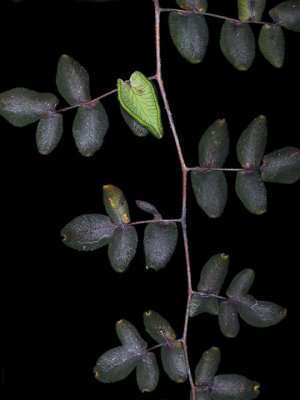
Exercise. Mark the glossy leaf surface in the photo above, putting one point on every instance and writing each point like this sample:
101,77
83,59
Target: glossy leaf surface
241,284
229,319
271,43
72,81
147,373
221,387
158,327
213,146
136,128
189,34
213,274
22,106
252,143
116,205
202,303
138,98
116,364
238,44
251,191
287,14
207,367
129,335
160,239
88,232
281,166
122,247
211,280
261,314
234,387
49,132
173,361
89,128
210,189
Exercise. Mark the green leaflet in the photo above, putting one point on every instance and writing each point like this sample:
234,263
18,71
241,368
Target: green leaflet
213,146
238,303
137,129
190,35
89,128
241,284
173,362
271,43
117,363
210,187
234,387
147,373
251,10
251,191
210,190
88,232
252,143
129,335
160,240
172,353
49,132
122,247
158,327
207,367
287,14
21,106
281,166
229,319
72,81
210,386
116,205
261,314
211,281
237,43
137,96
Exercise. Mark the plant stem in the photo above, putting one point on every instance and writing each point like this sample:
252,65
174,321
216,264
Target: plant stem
102,96
234,20
184,170
87,103
205,295
157,346
204,169
154,220
161,84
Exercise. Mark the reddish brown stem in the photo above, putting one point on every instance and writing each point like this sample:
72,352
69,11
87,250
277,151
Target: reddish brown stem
234,20
184,170
102,96
155,220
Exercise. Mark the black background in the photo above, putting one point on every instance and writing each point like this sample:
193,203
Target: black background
59,306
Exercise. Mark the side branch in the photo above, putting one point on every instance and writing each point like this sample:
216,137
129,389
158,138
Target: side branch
205,169
236,21
211,295
88,102
155,220
102,96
